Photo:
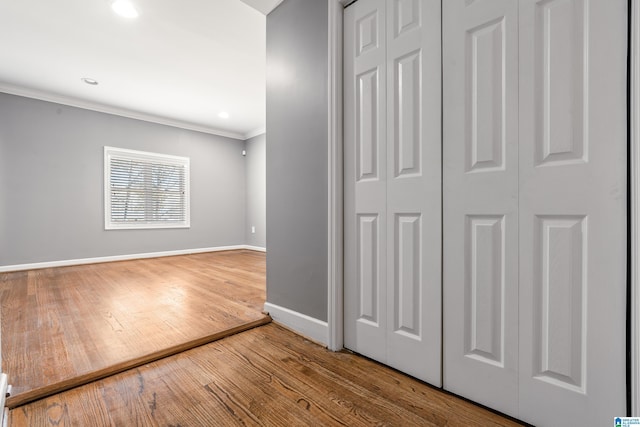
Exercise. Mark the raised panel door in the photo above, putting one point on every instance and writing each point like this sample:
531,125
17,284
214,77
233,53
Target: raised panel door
365,188
480,194
414,188
572,211
392,81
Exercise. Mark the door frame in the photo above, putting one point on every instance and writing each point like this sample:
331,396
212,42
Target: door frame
634,202
335,214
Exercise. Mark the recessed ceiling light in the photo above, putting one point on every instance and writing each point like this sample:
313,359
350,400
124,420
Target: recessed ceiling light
90,81
124,8
223,115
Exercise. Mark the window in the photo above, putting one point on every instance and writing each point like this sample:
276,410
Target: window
145,190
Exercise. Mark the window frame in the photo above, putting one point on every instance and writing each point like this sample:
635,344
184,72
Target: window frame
144,156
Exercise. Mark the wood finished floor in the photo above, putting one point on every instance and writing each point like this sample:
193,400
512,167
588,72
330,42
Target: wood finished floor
70,325
265,376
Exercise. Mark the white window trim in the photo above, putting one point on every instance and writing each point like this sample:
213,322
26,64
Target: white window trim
109,152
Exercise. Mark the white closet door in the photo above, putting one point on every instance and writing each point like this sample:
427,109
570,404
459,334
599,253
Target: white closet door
480,154
365,192
572,211
393,211
414,188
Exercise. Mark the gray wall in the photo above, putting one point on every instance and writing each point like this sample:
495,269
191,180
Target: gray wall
256,191
52,176
3,183
297,105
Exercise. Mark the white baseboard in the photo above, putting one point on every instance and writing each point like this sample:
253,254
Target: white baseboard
307,326
82,261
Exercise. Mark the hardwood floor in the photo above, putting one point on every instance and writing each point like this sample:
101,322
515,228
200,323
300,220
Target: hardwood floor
70,325
111,326
265,376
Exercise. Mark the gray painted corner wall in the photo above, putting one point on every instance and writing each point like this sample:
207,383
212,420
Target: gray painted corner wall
256,191
3,183
51,184
297,117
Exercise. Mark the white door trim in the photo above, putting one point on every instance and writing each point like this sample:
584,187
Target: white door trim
635,206
335,213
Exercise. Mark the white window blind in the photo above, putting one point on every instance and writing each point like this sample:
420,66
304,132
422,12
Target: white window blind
145,190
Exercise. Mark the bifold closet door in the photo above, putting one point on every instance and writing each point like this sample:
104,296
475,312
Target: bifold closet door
480,47
573,169
535,207
392,92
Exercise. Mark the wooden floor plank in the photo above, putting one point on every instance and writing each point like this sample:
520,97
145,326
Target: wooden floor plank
266,376
70,325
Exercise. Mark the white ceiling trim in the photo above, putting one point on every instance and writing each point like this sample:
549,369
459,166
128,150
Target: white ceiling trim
255,132
93,106
263,6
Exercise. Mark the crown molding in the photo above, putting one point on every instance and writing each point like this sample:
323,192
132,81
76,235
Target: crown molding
117,111
255,132
262,6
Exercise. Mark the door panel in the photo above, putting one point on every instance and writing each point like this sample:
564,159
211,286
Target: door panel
480,155
365,179
572,210
414,188
368,268
393,185
484,296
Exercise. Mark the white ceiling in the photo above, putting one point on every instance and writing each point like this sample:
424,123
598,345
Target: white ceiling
181,62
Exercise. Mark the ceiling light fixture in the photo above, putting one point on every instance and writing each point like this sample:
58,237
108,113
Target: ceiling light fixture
90,81
223,115
124,8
